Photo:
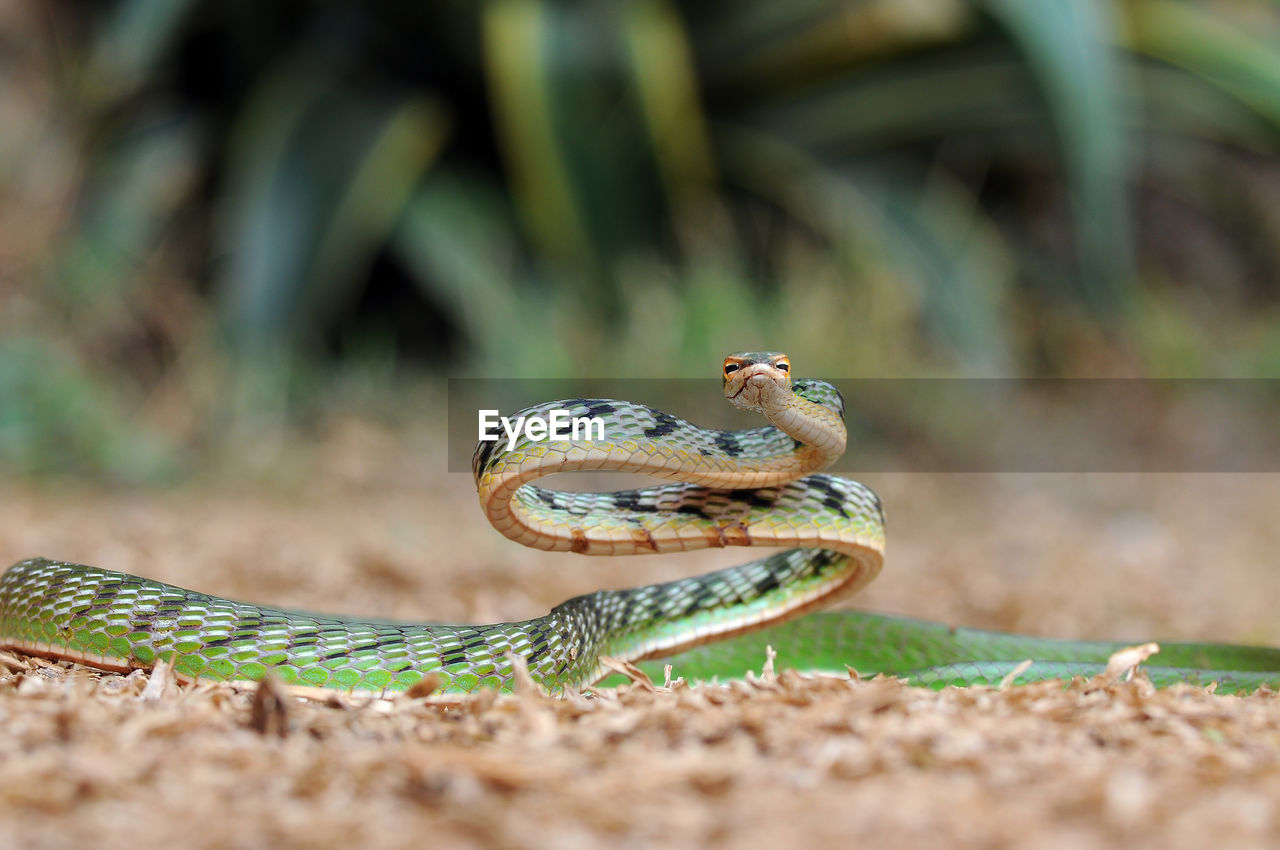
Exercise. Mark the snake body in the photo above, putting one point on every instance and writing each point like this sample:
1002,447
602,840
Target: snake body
759,487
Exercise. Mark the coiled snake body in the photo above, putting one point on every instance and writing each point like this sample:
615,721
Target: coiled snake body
757,487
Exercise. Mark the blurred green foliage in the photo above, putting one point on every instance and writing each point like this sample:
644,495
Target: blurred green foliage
206,205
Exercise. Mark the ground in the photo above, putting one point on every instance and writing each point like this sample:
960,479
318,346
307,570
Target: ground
113,761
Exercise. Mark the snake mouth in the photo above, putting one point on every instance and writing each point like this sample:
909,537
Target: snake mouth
763,379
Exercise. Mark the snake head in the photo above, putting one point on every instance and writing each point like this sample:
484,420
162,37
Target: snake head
754,380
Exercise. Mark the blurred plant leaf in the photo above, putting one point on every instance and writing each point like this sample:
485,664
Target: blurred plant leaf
459,237
572,122
519,63
1068,46
1174,107
1242,62
863,114
140,182
763,48
137,36
663,71
318,175
934,238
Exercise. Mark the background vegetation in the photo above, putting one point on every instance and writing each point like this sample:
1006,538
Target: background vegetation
216,214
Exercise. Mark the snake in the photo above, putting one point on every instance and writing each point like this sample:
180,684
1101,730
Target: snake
759,487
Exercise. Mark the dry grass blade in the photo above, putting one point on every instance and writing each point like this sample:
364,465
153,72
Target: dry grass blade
424,687
269,711
1012,675
631,671
158,681
1124,662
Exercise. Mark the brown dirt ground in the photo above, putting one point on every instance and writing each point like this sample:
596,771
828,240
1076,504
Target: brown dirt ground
94,760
